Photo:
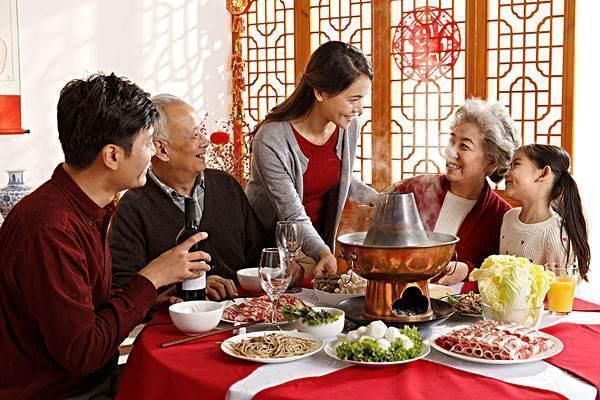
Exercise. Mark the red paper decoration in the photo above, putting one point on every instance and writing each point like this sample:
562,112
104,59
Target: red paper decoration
238,7
426,43
219,138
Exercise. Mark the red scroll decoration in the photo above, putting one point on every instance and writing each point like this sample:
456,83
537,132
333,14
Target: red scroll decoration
426,43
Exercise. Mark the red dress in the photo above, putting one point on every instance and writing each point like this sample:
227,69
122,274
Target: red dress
322,175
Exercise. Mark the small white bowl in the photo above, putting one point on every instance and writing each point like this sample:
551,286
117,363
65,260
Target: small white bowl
324,331
333,299
196,316
249,279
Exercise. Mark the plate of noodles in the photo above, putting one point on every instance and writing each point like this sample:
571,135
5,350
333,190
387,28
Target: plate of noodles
272,347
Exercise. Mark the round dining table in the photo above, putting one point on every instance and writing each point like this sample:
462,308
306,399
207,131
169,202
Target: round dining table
200,370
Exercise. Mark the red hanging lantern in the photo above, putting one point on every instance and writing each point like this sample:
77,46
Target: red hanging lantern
426,43
219,138
238,7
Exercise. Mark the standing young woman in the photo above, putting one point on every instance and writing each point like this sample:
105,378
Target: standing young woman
304,150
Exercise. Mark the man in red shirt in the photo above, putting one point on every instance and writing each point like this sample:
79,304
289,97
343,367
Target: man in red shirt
60,323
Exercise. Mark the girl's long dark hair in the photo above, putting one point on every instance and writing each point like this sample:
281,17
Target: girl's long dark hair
565,199
332,68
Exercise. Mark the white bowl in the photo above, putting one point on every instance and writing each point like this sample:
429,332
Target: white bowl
324,331
249,279
196,316
333,299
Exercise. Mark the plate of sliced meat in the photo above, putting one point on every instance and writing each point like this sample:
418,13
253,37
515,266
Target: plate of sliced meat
492,342
256,309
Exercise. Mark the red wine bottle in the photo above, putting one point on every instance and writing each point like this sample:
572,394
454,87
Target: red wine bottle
191,289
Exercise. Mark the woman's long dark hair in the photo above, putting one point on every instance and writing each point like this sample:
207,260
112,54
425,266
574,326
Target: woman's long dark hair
332,68
565,199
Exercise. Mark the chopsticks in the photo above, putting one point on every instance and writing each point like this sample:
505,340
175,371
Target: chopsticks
202,335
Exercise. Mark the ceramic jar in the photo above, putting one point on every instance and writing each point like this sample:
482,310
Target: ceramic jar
13,192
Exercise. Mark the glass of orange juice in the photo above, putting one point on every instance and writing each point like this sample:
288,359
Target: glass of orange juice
562,289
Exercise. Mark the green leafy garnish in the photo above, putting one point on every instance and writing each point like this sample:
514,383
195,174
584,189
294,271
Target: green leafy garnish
368,350
308,315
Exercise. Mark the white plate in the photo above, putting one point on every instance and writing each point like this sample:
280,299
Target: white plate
243,300
439,291
333,299
225,346
554,350
330,351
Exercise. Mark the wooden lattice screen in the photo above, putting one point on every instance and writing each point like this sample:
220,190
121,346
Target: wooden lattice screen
517,51
350,22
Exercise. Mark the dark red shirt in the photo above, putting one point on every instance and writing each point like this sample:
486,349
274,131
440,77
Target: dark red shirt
322,174
60,325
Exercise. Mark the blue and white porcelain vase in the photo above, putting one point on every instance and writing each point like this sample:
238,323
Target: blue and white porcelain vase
15,191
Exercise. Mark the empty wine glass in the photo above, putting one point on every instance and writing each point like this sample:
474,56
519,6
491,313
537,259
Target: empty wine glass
289,238
275,276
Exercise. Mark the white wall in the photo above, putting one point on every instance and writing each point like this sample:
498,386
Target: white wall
586,128
155,44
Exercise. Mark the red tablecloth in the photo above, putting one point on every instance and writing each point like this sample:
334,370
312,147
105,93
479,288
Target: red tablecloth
581,355
201,370
419,380
198,369
581,305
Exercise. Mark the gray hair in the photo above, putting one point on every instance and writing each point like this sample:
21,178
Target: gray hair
500,137
161,101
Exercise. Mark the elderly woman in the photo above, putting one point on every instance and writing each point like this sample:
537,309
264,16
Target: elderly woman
461,202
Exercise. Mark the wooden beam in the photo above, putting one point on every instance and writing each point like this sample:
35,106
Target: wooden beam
568,78
381,96
476,49
301,36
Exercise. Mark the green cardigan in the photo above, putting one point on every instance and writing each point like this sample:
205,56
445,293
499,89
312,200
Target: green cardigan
147,222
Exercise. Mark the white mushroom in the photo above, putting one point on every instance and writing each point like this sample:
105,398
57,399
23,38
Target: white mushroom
353,336
392,333
406,342
377,329
384,344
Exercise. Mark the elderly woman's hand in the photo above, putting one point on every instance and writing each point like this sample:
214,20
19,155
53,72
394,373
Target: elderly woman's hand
457,273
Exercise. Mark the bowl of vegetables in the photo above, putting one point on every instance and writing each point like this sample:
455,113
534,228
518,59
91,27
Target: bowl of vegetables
512,289
323,322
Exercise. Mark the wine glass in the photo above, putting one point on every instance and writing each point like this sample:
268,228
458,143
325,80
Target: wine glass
275,276
289,238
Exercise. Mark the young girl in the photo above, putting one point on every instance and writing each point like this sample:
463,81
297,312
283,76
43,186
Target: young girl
550,226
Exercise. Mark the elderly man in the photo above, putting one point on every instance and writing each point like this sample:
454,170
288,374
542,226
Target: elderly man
148,219
60,324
